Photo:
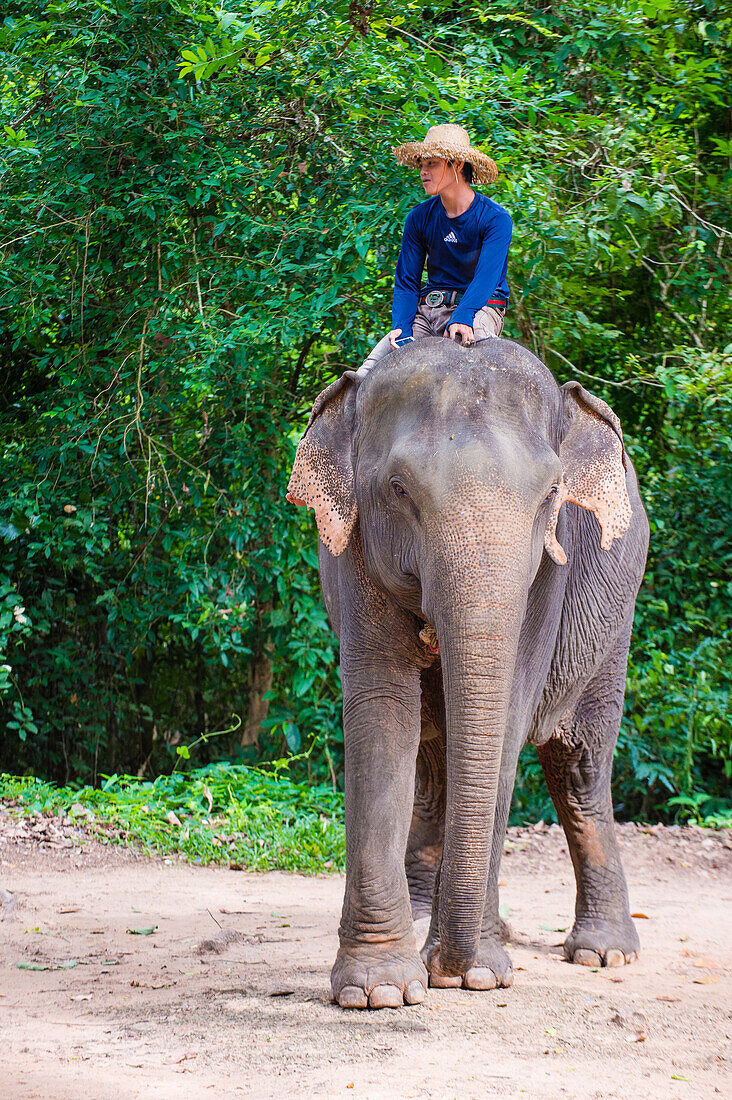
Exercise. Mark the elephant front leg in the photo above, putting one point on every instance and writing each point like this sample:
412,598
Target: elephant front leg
378,964
492,967
577,764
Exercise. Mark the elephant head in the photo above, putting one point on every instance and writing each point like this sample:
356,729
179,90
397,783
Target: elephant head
456,464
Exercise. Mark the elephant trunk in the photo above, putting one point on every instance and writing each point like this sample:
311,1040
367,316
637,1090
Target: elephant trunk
478,646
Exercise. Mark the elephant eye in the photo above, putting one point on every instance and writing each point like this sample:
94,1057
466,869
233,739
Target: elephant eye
399,489
552,493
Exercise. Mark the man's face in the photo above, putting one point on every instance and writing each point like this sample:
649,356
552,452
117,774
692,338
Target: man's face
432,172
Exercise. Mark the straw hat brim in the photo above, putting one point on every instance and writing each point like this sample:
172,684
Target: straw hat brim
484,169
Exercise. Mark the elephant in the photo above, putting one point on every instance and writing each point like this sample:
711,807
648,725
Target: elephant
481,545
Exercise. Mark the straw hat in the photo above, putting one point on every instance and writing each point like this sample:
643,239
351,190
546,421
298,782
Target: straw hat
450,142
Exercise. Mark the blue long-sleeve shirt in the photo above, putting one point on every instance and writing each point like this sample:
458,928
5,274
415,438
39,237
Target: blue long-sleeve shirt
468,253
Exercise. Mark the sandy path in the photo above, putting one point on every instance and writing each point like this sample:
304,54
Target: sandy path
155,1016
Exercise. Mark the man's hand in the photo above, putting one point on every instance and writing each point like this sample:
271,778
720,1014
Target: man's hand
465,332
393,336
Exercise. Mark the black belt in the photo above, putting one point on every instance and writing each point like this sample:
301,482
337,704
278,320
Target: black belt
452,297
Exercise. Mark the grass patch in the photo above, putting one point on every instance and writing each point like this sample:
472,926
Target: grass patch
228,814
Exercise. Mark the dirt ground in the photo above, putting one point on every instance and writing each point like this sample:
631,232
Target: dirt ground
229,994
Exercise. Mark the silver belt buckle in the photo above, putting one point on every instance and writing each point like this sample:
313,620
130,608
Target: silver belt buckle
434,298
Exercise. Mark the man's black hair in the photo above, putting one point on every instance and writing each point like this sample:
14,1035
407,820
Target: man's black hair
466,171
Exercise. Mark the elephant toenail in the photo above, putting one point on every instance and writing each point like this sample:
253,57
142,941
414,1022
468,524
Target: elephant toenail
480,977
585,957
352,997
614,957
446,981
385,996
415,993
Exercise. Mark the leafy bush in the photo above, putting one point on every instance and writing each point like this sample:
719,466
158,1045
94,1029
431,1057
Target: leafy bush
674,753
260,820
677,734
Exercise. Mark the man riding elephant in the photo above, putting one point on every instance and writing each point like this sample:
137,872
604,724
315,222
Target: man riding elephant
463,235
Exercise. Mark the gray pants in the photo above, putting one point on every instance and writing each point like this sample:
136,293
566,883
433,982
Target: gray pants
432,321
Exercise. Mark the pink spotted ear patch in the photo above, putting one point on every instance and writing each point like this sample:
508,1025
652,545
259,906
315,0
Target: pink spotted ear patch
318,483
594,475
322,475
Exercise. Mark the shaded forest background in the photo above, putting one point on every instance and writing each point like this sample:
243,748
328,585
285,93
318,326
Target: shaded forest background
200,222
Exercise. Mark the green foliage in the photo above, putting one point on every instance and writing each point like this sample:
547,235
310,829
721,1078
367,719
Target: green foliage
675,745
201,219
224,813
677,735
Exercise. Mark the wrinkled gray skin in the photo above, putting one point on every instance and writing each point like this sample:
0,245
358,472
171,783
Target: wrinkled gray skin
451,456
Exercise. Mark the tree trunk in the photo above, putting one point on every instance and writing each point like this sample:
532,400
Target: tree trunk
260,682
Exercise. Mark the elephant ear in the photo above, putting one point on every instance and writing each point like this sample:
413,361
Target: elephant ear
593,468
322,474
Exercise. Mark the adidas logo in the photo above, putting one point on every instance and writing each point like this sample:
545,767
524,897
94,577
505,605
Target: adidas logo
450,238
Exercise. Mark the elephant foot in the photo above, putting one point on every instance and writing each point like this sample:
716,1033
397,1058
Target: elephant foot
491,969
595,942
378,975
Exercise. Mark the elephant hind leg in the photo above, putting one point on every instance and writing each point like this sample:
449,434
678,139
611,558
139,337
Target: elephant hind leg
577,764
426,832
